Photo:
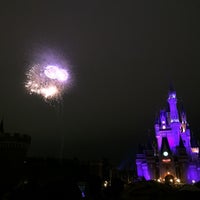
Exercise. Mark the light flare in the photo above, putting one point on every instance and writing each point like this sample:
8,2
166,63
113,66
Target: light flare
53,72
49,92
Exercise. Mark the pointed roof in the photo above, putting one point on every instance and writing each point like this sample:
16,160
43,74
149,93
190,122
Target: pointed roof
171,87
181,148
165,145
172,91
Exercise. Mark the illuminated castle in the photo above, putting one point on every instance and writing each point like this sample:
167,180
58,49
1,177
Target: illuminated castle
173,155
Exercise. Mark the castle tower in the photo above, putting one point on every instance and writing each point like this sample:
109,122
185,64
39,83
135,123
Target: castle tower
174,120
177,155
13,148
172,100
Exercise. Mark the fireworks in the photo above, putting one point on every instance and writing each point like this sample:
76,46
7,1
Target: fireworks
48,81
53,72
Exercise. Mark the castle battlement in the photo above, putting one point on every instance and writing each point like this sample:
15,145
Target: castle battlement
13,148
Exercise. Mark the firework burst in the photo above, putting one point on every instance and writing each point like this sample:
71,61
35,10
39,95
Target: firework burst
48,81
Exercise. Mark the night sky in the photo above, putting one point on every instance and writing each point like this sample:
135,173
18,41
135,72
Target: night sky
122,56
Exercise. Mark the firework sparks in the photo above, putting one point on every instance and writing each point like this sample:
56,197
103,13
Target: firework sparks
48,81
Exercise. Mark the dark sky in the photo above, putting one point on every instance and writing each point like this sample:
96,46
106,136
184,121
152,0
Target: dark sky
122,56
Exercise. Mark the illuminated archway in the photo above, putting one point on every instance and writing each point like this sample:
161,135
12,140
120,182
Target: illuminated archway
169,179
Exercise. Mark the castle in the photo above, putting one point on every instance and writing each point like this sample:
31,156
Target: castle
13,148
173,155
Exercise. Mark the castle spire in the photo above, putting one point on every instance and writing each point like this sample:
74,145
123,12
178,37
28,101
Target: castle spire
183,114
171,87
172,100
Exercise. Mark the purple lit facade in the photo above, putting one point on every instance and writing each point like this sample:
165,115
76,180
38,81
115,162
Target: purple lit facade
173,153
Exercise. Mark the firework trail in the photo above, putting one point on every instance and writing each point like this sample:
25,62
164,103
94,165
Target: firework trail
50,82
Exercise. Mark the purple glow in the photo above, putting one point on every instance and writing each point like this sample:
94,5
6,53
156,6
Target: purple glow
192,174
145,171
173,136
83,194
139,168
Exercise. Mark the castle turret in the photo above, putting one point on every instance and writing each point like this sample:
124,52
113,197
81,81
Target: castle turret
183,115
163,119
172,100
